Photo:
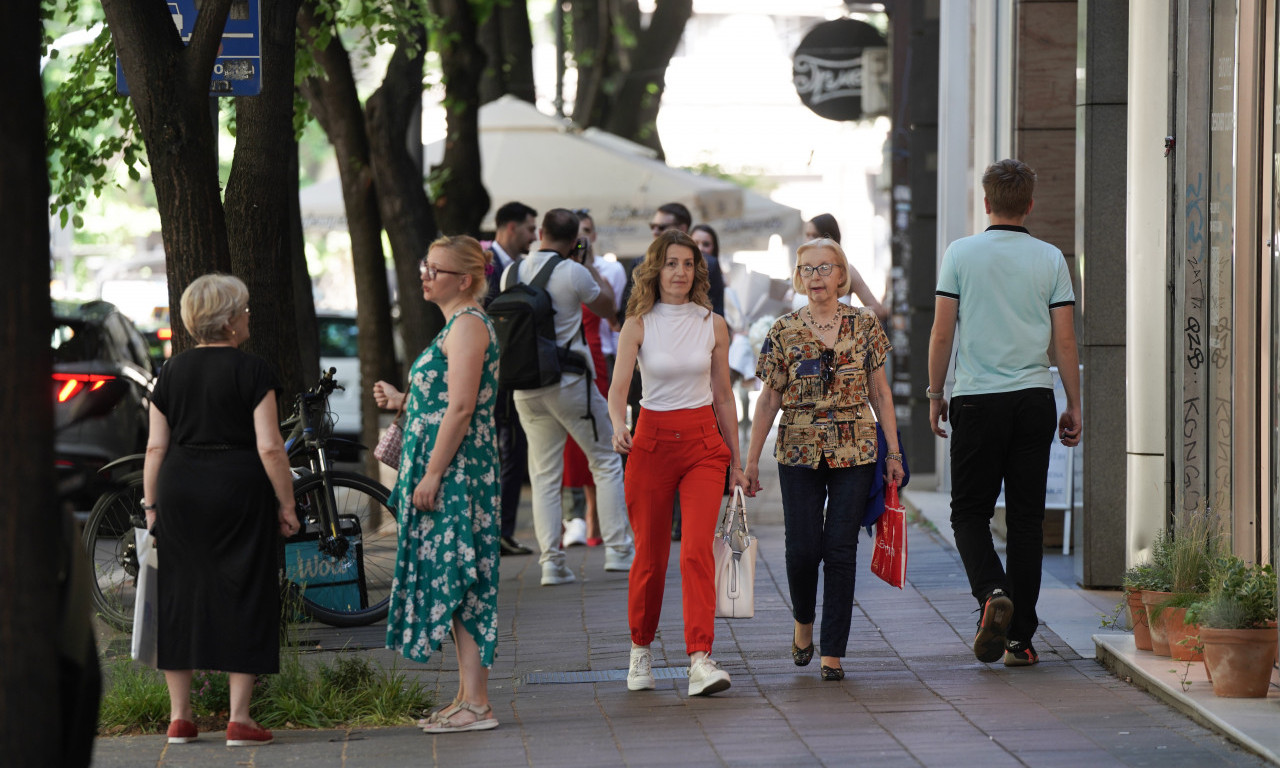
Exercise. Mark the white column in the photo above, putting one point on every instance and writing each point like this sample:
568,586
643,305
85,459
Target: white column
1147,243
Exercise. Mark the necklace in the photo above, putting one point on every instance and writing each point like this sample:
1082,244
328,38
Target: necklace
819,327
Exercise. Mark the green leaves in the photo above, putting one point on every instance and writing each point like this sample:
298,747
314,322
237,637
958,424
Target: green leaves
91,127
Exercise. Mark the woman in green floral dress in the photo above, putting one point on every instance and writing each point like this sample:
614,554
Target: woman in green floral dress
447,494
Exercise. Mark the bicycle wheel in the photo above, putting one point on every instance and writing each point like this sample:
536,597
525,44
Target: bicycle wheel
353,588
108,538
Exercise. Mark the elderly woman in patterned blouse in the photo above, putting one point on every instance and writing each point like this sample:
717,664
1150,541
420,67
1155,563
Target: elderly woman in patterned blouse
824,366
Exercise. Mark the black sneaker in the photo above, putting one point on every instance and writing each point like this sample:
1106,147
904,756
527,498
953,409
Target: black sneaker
993,629
510,546
1019,654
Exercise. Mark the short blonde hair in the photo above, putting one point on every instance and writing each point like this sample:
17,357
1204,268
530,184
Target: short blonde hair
846,281
210,303
470,258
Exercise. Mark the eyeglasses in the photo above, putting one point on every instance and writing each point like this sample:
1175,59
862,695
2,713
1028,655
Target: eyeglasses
807,271
431,270
828,372
658,229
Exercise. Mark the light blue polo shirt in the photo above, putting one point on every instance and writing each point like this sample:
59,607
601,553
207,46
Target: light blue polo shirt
1006,282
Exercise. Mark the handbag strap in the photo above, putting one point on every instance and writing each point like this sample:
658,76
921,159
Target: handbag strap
404,400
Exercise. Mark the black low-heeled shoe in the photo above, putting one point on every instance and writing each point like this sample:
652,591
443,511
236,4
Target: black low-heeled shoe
832,674
801,656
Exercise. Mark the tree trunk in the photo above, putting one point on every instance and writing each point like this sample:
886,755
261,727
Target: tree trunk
258,195
169,89
594,54
620,87
37,720
508,45
635,108
304,304
336,105
402,200
462,200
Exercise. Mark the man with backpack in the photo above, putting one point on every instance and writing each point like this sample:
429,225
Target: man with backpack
550,371
516,228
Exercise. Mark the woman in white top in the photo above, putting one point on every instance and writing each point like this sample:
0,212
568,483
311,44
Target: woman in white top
681,445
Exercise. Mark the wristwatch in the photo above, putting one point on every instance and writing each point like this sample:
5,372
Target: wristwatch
929,393
148,507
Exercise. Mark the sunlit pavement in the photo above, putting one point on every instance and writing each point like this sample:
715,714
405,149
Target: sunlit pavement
913,695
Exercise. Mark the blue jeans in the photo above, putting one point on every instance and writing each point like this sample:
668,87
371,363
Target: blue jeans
830,539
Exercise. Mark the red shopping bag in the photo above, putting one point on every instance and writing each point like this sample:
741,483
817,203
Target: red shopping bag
890,559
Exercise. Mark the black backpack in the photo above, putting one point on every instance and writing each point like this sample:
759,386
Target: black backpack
524,318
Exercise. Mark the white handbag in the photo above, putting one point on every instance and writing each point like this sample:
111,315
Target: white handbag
146,602
735,552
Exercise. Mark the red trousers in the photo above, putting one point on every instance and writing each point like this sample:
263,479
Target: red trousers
675,452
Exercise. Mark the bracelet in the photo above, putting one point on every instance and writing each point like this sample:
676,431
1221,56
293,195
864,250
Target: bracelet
929,393
893,457
148,507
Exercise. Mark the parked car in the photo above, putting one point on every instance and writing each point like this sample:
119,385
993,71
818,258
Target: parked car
94,343
339,349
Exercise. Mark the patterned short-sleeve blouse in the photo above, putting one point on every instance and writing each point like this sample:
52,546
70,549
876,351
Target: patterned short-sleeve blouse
825,392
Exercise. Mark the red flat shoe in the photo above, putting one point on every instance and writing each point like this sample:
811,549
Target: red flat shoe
241,735
595,541
182,731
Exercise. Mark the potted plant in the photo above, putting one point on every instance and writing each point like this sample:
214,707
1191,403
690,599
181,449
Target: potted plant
1143,576
1237,627
1158,588
1197,545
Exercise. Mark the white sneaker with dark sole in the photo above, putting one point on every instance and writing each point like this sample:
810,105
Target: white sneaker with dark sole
554,573
706,678
640,673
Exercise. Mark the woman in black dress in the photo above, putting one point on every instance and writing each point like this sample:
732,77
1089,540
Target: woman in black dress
217,490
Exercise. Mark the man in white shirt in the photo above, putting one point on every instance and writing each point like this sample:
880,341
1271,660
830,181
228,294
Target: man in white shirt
573,406
616,274
517,228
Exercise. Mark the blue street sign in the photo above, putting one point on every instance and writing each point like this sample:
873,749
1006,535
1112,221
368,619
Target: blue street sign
238,68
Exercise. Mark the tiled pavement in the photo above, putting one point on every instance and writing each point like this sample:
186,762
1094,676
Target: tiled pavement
914,694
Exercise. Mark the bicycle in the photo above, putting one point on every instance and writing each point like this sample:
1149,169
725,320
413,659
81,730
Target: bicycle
341,562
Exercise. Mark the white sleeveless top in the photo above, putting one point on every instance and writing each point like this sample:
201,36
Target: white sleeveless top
675,358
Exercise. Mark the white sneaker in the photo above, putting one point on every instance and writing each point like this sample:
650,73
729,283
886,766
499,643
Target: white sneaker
575,533
619,559
706,678
640,675
556,573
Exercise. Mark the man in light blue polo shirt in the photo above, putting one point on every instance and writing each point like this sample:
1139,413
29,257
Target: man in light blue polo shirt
1012,296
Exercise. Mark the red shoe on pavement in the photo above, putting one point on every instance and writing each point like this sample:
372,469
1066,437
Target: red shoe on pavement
182,731
241,735
595,541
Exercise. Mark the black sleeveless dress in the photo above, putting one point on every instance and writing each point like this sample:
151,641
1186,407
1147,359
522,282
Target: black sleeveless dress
216,527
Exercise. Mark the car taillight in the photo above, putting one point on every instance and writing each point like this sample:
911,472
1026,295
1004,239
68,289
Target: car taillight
68,385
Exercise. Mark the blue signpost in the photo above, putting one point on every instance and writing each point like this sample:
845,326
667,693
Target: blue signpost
238,68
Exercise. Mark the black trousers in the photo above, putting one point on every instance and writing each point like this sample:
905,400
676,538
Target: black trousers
513,452
1002,437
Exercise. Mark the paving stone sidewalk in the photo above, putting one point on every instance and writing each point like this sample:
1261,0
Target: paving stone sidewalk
914,694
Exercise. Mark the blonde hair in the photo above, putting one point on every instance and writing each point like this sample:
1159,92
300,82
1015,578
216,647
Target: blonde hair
470,258
846,280
647,274
210,303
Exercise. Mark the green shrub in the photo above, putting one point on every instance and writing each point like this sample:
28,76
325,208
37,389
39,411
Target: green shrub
1241,596
134,698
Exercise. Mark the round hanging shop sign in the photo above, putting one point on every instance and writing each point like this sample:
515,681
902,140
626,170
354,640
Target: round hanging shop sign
827,67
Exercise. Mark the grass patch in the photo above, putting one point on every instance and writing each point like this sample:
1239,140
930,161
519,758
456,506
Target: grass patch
349,691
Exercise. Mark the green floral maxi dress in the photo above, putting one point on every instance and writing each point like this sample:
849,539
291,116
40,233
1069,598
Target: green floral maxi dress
447,558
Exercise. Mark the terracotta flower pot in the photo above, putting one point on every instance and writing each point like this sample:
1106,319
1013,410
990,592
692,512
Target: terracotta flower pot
1159,637
1178,631
1239,660
1138,620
